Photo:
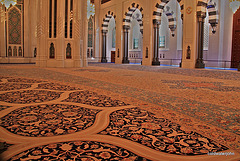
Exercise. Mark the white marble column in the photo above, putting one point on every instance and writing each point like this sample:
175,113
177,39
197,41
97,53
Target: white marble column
189,34
42,34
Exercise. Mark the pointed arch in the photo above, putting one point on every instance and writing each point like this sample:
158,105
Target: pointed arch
140,22
171,20
157,13
126,27
106,21
105,25
128,15
202,8
213,15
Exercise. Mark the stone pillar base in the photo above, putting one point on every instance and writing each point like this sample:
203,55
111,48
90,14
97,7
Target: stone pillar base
199,64
156,62
104,60
125,61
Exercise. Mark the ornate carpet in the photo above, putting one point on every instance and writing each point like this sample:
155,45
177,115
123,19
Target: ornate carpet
119,112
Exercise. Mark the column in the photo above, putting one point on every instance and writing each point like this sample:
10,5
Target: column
190,26
60,47
3,52
42,34
201,15
79,27
27,27
104,47
148,28
199,61
156,43
125,47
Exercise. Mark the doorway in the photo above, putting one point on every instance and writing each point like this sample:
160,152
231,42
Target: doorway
112,56
236,40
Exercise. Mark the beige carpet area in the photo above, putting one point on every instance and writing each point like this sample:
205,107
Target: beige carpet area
119,112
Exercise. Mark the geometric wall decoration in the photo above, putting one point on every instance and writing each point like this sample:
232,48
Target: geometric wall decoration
90,32
14,26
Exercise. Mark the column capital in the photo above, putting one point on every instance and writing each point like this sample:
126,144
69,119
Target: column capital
156,25
104,32
125,29
201,16
156,22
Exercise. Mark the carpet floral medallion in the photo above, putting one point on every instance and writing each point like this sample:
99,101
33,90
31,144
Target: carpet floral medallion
48,120
13,86
29,96
158,133
55,86
78,150
91,98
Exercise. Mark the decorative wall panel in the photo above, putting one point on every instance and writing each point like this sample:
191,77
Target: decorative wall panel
14,30
14,26
90,32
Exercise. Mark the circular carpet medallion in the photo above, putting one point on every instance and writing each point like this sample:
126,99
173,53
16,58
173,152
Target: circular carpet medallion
93,99
29,96
13,86
78,150
48,120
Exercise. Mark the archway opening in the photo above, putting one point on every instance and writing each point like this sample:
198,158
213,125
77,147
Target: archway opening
170,34
235,58
111,41
135,42
90,51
